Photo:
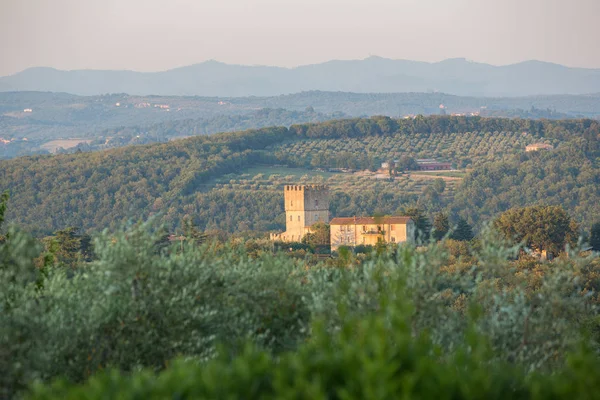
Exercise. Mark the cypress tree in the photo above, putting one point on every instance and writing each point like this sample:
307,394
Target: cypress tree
463,231
441,226
595,236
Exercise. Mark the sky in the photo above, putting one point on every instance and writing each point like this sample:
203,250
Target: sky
156,35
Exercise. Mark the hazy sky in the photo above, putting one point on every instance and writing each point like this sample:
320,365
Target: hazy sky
151,35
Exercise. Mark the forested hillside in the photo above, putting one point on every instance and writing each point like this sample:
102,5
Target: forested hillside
568,176
105,189
181,178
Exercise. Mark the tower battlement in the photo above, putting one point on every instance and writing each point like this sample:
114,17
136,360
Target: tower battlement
305,188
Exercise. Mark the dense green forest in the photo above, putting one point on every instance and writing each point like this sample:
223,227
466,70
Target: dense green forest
176,180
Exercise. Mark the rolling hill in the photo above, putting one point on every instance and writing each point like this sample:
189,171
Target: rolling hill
374,74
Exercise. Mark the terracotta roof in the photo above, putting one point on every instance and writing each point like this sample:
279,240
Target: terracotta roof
369,220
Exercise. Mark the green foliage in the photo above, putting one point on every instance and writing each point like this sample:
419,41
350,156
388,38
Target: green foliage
568,176
3,204
463,231
319,236
68,247
396,326
441,226
538,227
107,189
407,163
135,307
422,224
595,236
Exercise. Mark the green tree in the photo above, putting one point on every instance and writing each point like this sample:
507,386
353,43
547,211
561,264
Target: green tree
68,246
439,185
463,231
422,224
192,233
441,225
3,204
595,236
538,227
318,238
406,163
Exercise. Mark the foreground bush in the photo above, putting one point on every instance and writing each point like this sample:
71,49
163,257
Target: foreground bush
369,358
139,306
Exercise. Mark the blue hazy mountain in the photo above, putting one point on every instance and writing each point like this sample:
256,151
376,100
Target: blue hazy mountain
371,75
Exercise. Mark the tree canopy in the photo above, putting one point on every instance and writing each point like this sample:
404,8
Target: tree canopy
540,228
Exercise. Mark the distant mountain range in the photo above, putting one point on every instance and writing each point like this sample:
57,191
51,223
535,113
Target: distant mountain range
371,75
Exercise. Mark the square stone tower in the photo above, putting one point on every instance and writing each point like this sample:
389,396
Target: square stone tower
305,205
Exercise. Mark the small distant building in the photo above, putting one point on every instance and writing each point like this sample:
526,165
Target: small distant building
430,164
369,231
117,104
28,110
162,106
538,147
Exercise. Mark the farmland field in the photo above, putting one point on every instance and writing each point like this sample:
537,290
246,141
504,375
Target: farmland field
53,145
274,178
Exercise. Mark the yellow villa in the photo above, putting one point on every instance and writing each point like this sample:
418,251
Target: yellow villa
369,231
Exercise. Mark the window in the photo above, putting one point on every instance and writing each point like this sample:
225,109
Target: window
316,203
364,228
291,203
298,218
392,227
393,239
343,228
378,228
316,217
291,218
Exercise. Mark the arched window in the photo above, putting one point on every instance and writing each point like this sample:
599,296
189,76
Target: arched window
291,218
298,218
